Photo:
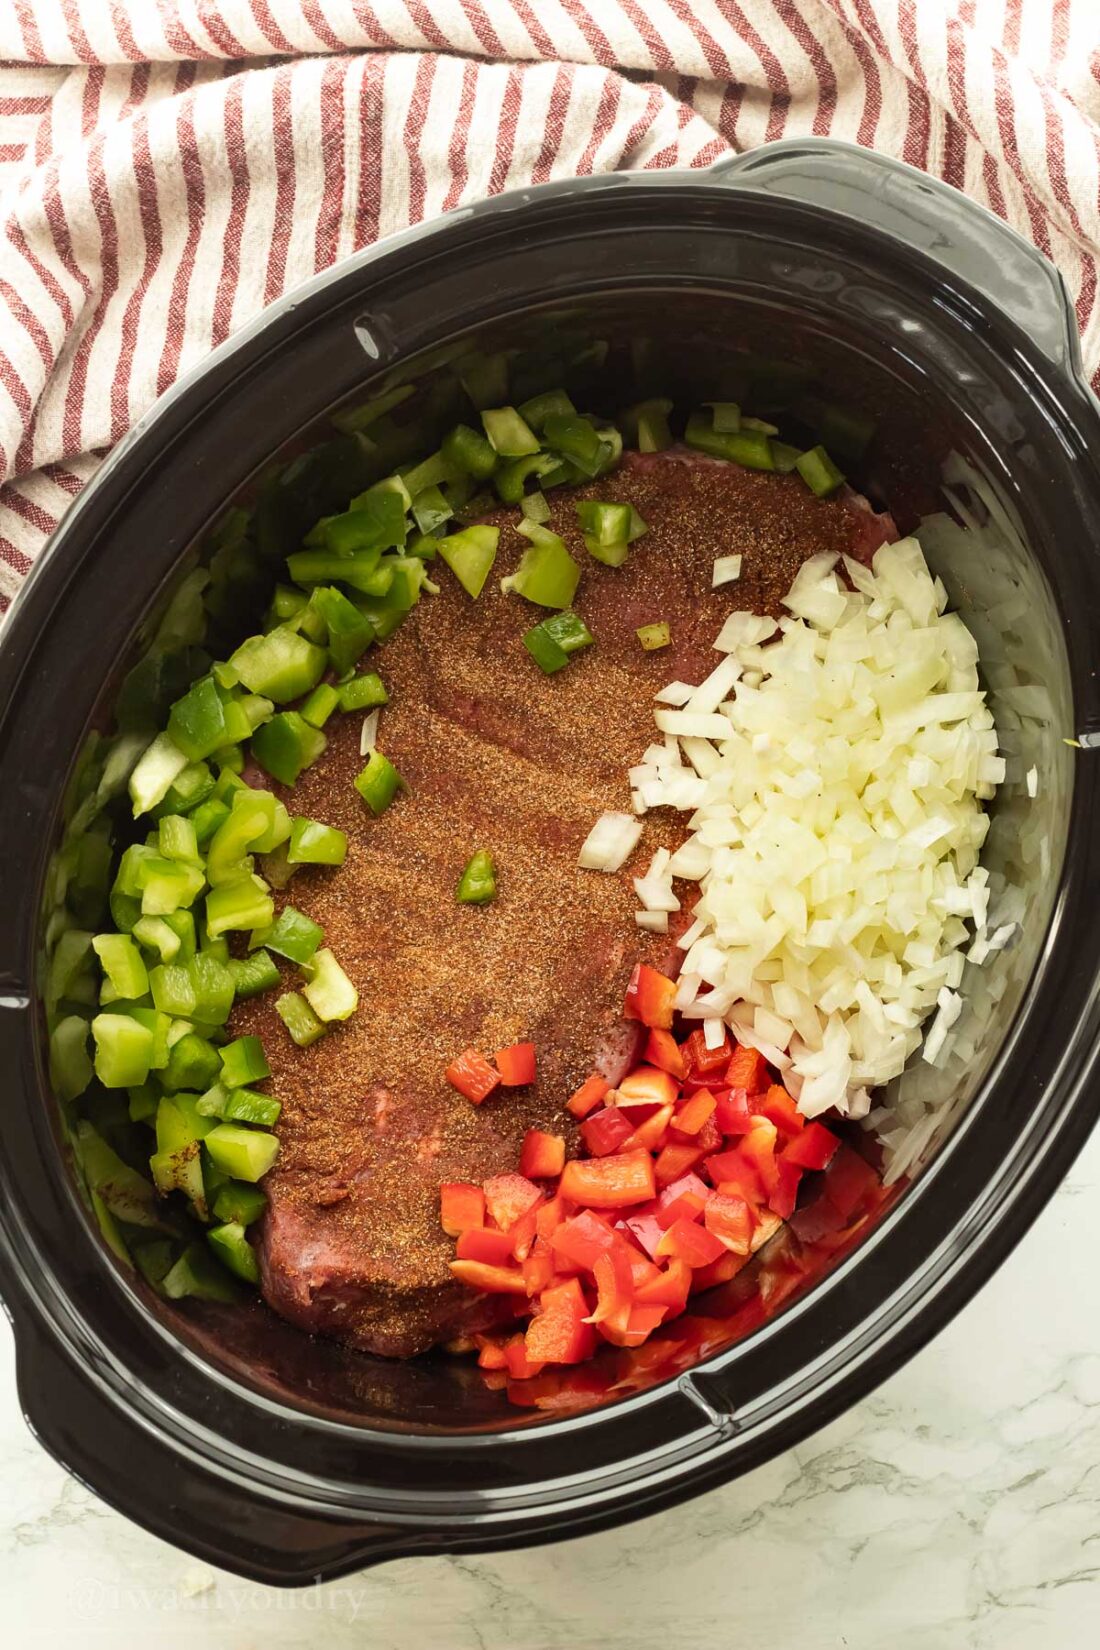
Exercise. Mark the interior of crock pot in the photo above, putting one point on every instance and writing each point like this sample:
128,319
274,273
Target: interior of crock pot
611,349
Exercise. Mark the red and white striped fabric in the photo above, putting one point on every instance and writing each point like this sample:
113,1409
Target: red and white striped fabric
167,169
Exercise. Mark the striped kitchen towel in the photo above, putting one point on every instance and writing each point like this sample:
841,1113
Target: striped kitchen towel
167,167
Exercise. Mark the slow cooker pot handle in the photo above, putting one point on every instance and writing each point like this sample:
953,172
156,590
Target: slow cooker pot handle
961,236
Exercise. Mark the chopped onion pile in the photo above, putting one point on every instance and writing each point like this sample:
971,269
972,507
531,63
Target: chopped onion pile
834,765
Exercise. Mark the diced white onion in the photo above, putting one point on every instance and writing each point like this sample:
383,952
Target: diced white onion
1033,782
368,736
727,569
655,921
676,693
610,842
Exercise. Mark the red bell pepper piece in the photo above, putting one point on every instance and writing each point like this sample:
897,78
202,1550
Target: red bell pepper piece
480,1243
721,1270
732,1112
542,1156
685,1198
782,1200
581,1240
516,1064
733,1172
778,1107
614,1285
675,1160
649,998
559,1333
472,1075
686,1240
588,1096
523,1232
747,1070
539,1267
650,1136
491,1280
641,1324
520,1366
610,1182
549,1216
606,1131
758,1147
671,1287
508,1196
709,1138
647,1086
491,1355
731,1221
662,1050
695,1112
460,1207
646,1228
703,1061
813,1149
850,1181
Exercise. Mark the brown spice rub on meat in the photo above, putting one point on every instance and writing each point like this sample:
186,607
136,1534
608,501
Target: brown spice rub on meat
497,757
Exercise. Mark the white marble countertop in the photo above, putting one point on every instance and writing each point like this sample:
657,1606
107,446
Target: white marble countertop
958,1508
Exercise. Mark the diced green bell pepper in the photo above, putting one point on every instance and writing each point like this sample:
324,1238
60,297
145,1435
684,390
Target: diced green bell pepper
281,665
478,883
378,783
122,963
253,974
648,421
293,935
511,479
208,818
245,903
568,630
127,1194
143,1101
70,1063
156,935
168,885
123,1050
193,1064
329,992
509,435
71,958
546,652
286,745
244,1153
548,404
654,636
162,763
236,1200
363,692
178,839
314,844
470,452
193,785
350,633
819,472
547,573
205,719
320,705
233,1249
243,1062
578,440
430,509
299,1018
197,1274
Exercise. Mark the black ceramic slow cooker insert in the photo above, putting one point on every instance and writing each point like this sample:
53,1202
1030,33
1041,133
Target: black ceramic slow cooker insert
286,1459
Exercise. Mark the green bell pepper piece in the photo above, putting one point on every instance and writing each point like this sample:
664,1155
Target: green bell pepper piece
196,1273
281,665
70,960
168,885
294,936
362,570
143,1101
511,479
509,435
375,521
648,421
193,786
819,472
363,692
183,924
244,1153
470,555
548,654
205,719
122,963
127,1194
299,1018
654,636
244,903
785,457
378,783
236,1200
328,991
320,705
478,883
253,974
578,440
470,452
70,1064
243,1062
547,573
286,745
155,934
162,763
314,844
568,630
213,982
350,633
209,817
549,404
233,1249
178,839
430,509
193,1064
123,1050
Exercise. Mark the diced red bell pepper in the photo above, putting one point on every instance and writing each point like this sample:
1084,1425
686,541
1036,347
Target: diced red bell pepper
662,1050
549,1216
719,1271
647,1086
709,1137
642,1322
491,1355
588,1096
614,1285
582,1239
647,1229
610,1182
649,998
542,1156
782,1200
686,1240
671,1287
516,1064
747,1070
685,1186
778,1107
606,1131
480,1243
507,1196
641,1269
520,1366
758,1147
700,1059
731,1221
559,1333
492,1280
676,1159
733,1172
539,1267
523,1232
732,1112
460,1207
813,1149
472,1075
850,1181
693,1113
816,1221
651,1135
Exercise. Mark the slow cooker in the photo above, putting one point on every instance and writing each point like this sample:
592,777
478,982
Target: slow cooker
288,1460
